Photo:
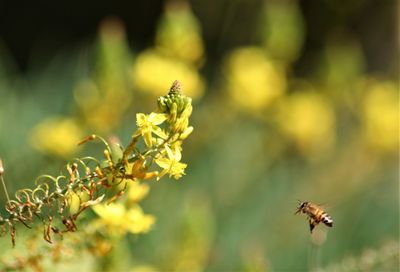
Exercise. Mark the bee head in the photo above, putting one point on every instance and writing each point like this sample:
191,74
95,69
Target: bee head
301,207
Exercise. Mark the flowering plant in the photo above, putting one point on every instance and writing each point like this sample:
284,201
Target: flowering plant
88,182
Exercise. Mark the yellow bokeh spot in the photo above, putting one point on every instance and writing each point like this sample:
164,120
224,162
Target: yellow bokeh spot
153,71
253,80
56,136
309,120
381,116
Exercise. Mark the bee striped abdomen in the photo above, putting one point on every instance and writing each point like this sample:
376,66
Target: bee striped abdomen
327,220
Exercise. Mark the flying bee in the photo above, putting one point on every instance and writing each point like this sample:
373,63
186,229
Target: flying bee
315,214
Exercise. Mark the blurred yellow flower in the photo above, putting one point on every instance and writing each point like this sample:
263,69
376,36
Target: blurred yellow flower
253,80
137,191
148,124
153,71
381,116
112,216
309,120
57,136
138,222
178,34
118,220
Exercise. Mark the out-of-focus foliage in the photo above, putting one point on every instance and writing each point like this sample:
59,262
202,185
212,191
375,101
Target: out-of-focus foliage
276,121
282,30
108,82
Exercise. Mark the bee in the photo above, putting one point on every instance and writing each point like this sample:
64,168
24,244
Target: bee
315,214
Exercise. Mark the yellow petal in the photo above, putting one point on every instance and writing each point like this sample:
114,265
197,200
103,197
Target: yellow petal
170,154
159,132
163,163
148,139
157,118
177,170
141,119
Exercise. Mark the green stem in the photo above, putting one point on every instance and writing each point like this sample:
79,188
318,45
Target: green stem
5,188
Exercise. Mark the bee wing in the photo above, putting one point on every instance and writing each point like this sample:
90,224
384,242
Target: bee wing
330,204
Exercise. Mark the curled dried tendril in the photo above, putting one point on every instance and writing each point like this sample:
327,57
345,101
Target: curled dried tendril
92,180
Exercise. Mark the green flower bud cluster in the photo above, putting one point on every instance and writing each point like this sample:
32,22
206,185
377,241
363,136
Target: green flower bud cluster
175,102
178,107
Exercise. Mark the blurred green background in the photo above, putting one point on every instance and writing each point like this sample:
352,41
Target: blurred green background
293,100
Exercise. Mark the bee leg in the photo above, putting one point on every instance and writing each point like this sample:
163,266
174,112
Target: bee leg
312,224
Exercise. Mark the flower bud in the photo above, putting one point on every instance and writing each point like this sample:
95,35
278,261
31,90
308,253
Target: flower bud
175,88
162,106
186,133
173,112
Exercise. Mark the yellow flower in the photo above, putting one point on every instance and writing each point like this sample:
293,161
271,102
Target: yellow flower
309,120
137,191
175,151
153,71
253,80
381,116
171,165
138,222
118,220
57,136
113,216
148,124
